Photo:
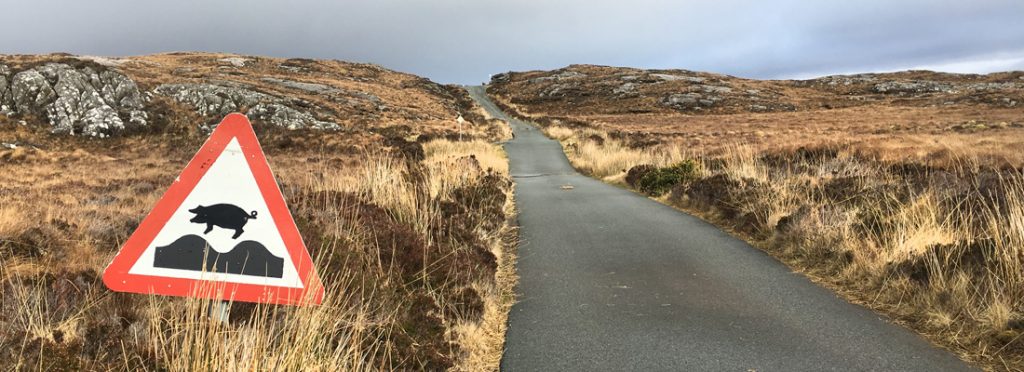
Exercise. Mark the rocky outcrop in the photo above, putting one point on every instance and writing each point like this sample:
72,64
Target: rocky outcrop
349,98
76,100
912,87
218,100
670,77
290,118
559,76
6,102
682,101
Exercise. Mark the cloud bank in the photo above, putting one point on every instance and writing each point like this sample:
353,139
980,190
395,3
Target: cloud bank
456,41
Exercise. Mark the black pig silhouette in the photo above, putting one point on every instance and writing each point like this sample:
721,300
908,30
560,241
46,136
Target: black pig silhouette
227,216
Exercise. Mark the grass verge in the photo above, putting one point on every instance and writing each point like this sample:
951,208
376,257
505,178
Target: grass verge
415,247
937,248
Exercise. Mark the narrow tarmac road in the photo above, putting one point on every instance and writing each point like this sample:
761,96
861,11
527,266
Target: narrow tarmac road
610,280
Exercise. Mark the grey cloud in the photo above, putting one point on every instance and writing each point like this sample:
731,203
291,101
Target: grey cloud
465,41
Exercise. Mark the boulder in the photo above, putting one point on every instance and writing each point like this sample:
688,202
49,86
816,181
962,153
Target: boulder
912,87
715,89
77,100
235,61
625,89
670,77
287,117
6,101
214,100
559,76
682,100
348,97
31,92
309,87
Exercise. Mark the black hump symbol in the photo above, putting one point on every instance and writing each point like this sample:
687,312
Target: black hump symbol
192,252
227,216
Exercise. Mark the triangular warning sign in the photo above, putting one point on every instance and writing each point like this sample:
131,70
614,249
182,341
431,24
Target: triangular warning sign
221,231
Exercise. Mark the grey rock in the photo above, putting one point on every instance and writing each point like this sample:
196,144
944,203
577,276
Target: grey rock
293,69
309,87
235,61
626,88
502,77
31,92
836,80
287,117
79,101
715,89
214,100
6,101
669,77
342,95
559,76
912,87
219,100
556,90
993,86
682,100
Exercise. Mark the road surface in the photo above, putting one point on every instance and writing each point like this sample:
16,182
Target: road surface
611,280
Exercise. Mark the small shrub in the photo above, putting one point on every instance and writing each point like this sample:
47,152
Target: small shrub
638,172
659,181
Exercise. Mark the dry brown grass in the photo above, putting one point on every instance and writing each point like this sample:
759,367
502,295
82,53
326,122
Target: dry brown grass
905,201
937,247
936,135
416,256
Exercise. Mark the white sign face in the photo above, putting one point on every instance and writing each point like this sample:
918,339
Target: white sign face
226,213
221,231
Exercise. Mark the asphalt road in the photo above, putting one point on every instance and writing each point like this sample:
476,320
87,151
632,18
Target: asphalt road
611,280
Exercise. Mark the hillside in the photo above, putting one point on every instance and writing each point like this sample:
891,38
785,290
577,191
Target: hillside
406,219
901,113
600,90
97,96
901,192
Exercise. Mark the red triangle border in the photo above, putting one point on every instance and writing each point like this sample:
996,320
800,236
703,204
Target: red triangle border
234,126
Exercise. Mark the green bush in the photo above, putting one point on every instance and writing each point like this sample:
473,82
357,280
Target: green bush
659,181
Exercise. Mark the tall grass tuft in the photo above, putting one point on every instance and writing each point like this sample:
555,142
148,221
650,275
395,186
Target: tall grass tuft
938,247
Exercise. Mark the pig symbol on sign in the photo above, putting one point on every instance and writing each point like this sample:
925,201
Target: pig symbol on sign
226,216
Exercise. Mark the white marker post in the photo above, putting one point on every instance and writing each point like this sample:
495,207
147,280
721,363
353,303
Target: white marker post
460,120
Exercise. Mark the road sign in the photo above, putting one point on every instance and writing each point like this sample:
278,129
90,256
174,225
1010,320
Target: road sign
222,231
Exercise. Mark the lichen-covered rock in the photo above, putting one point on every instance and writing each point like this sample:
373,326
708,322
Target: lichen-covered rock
31,92
670,77
904,87
215,100
625,89
715,89
235,61
78,100
300,85
682,100
6,101
559,76
287,117
349,98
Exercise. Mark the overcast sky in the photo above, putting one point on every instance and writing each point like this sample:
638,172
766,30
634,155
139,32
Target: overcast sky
464,41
